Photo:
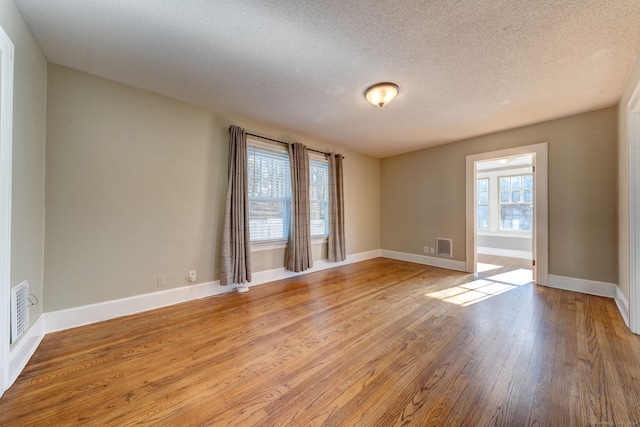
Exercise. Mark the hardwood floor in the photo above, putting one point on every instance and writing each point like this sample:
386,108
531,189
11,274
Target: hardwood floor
377,343
504,261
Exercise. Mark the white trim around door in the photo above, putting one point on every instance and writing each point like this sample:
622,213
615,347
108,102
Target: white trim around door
633,141
6,134
541,236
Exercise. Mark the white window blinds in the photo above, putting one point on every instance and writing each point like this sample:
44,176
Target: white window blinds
269,186
269,193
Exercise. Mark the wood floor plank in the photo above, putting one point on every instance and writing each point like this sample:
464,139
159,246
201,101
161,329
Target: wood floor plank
376,343
481,374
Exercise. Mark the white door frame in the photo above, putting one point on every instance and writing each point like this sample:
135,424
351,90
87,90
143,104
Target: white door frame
633,136
540,238
6,134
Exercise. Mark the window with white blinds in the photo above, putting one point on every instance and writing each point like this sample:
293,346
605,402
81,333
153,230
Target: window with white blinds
318,197
269,186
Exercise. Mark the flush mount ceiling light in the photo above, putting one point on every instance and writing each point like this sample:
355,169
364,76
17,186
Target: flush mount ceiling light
381,94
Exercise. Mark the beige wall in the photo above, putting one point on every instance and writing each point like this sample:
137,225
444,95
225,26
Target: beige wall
135,188
136,181
29,120
423,193
623,177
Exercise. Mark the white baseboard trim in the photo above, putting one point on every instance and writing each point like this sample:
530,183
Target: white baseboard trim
591,287
93,313
623,306
510,253
426,260
267,276
21,353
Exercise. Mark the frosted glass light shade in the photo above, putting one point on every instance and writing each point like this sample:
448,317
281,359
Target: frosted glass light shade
381,94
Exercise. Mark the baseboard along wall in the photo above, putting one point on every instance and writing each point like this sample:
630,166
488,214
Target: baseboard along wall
426,260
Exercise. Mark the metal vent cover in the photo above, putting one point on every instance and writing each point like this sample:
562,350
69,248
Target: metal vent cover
445,247
19,310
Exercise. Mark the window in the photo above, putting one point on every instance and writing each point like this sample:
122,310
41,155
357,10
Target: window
482,204
516,203
318,197
269,193
269,187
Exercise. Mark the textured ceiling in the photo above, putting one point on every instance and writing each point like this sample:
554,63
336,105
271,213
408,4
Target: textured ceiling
464,67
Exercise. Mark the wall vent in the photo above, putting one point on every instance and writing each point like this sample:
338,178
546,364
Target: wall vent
445,247
19,310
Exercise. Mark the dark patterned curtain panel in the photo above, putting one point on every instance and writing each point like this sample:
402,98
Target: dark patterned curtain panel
299,257
236,254
337,246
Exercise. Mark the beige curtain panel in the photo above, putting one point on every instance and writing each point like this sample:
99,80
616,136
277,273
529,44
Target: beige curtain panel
236,254
337,246
299,257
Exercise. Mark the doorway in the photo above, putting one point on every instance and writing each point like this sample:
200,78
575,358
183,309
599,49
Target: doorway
504,216
500,229
6,120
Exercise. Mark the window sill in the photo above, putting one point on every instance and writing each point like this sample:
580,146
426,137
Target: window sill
270,245
505,233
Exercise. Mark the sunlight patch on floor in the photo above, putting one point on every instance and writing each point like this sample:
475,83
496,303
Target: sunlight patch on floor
482,267
518,277
470,293
476,284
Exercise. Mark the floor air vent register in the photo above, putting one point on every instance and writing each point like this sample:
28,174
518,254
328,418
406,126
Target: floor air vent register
445,247
19,310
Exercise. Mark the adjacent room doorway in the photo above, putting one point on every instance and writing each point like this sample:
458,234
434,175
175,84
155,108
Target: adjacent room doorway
506,210
504,216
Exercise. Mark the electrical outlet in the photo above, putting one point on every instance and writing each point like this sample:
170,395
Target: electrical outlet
426,249
192,276
162,280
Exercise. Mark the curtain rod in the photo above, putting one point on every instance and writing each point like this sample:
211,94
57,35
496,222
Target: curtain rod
288,143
